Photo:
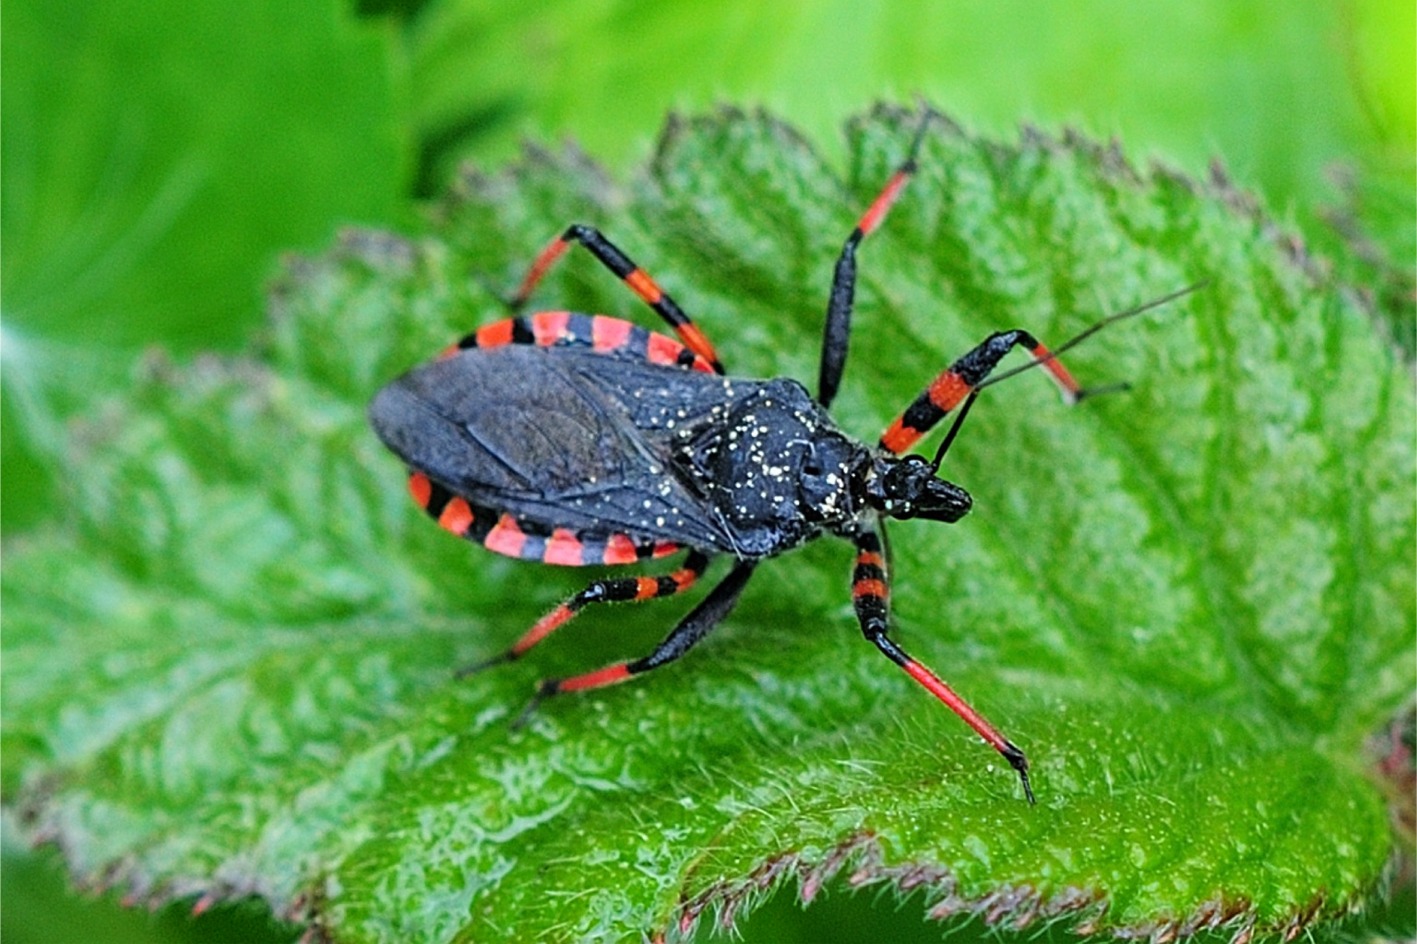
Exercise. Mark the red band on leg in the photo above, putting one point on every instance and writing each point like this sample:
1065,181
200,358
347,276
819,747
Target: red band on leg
547,258
900,437
543,628
644,286
695,341
1060,373
959,706
877,211
947,390
598,679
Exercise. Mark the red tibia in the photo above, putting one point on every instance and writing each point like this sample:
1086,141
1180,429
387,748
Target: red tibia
958,705
543,628
543,261
869,588
876,212
1060,373
598,679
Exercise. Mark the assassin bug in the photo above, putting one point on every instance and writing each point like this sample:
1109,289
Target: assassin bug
580,439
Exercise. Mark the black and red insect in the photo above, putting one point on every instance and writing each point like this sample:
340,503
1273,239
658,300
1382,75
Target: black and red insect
581,439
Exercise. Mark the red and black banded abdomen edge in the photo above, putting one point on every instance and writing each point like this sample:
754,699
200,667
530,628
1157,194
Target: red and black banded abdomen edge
527,540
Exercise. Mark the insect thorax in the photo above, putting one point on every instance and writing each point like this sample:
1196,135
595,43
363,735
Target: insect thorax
775,471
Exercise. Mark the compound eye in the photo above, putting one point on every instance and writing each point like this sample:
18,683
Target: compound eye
907,479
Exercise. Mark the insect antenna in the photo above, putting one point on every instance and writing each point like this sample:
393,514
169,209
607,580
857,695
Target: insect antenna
1088,332
1072,342
954,430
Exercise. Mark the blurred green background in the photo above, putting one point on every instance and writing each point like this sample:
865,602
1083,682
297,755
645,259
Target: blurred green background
157,157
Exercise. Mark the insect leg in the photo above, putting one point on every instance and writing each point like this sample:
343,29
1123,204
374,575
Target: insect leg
632,275
962,377
704,617
968,374
618,590
870,594
837,334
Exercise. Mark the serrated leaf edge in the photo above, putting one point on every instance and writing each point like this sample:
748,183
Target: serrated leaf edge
1009,907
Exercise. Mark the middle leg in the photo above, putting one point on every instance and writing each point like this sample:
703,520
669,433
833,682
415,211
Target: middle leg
704,617
618,590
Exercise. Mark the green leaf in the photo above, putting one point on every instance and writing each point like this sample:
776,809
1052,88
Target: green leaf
229,671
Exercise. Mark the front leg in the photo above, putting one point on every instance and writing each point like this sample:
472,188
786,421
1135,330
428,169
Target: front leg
870,594
836,335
